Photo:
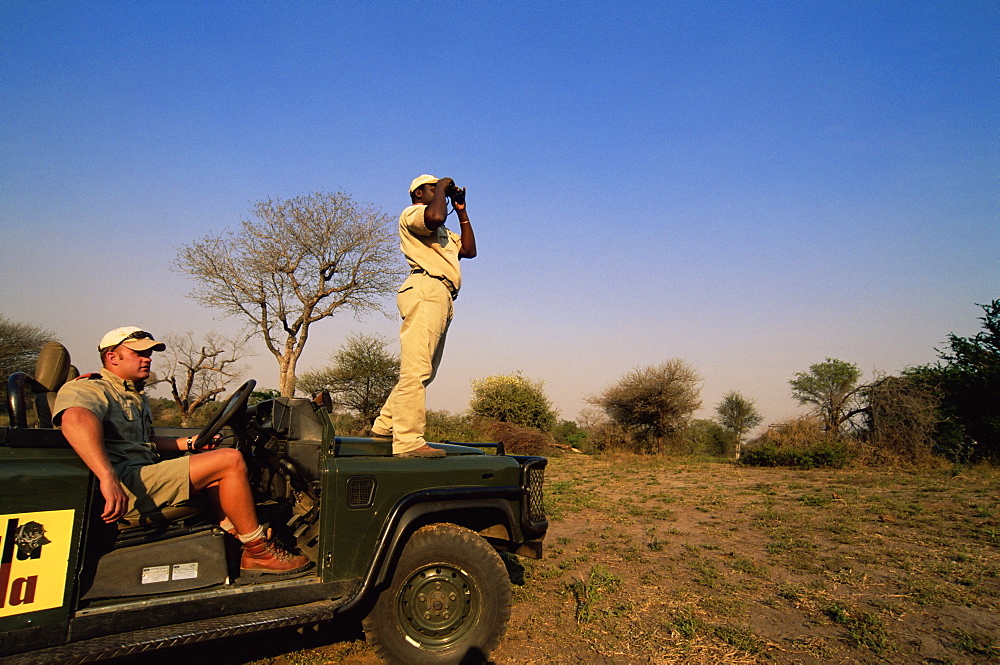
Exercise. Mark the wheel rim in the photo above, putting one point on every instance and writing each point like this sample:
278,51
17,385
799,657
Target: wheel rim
438,605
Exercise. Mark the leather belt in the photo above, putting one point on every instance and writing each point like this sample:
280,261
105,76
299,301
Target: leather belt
444,280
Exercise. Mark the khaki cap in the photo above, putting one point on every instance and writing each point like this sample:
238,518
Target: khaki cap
422,180
134,338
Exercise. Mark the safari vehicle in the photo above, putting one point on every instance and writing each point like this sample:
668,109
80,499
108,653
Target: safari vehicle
409,544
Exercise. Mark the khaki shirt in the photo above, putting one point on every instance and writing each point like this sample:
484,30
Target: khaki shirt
124,412
435,251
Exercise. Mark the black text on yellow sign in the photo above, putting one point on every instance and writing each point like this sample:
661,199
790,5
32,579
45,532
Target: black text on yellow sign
34,555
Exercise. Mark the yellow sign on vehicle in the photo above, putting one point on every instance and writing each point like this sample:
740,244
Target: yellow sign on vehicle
34,555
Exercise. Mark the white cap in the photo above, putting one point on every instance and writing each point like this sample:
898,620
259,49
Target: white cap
134,338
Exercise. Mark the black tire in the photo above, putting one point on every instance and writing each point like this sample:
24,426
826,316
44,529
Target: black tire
448,602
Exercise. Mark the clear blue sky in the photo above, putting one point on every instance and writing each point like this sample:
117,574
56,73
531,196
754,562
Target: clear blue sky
752,187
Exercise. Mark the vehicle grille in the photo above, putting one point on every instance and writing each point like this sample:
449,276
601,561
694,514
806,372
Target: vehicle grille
534,477
360,492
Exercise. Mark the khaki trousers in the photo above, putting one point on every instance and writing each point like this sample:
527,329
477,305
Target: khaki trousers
427,309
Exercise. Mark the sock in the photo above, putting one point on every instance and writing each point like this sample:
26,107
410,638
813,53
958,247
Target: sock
226,525
257,534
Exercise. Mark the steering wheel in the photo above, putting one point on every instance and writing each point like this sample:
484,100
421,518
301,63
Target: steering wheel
233,409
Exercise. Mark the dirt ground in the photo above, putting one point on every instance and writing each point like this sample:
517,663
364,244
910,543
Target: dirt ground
657,561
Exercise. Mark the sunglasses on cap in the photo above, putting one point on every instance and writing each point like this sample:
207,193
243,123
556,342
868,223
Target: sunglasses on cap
138,334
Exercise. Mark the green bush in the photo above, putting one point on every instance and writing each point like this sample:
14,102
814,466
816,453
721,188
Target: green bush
443,426
514,399
568,433
829,454
708,437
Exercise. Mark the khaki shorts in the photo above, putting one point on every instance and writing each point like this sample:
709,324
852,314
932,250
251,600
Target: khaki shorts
153,486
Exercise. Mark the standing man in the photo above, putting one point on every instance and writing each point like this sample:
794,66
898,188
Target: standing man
105,417
425,303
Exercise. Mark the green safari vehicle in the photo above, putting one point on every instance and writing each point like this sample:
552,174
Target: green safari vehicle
411,545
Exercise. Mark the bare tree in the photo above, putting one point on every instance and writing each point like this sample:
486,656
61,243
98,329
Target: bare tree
296,262
602,432
198,371
902,419
739,415
19,346
655,401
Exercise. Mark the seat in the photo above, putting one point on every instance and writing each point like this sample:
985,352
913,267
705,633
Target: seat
52,370
165,516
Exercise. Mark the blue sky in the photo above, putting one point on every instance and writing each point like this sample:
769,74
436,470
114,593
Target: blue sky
752,187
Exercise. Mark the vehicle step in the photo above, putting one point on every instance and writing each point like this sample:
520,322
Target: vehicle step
150,639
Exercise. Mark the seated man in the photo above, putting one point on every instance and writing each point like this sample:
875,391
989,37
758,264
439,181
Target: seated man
106,418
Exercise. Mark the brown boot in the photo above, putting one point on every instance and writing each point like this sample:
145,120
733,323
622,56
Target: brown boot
263,556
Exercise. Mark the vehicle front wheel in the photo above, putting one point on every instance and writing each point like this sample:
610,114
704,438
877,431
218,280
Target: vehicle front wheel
448,602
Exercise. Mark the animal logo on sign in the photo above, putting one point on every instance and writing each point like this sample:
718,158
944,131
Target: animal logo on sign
29,539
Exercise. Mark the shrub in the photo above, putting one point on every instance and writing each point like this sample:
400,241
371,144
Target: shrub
518,440
568,433
513,399
796,433
801,442
709,438
832,454
442,426
602,434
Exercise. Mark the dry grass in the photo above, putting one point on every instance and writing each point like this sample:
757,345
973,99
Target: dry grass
718,563
653,561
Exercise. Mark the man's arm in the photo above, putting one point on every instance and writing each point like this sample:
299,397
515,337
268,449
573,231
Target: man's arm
437,210
172,446
468,250
84,431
